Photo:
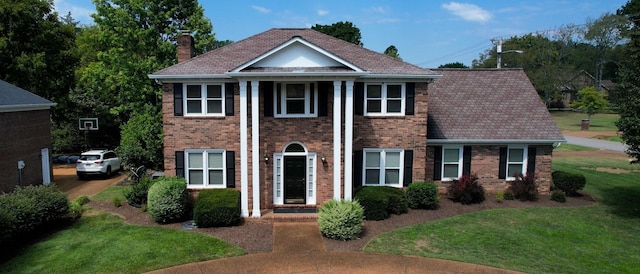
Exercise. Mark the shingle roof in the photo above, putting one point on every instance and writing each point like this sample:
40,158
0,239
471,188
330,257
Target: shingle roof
487,104
15,98
229,57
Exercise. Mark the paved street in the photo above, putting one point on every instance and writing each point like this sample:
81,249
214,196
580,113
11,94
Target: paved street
596,143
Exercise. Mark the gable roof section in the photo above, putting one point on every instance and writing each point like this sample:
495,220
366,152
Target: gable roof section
13,98
488,106
219,62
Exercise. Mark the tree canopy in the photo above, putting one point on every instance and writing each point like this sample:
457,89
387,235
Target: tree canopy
628,102
590,101
392,51
343,30
453,65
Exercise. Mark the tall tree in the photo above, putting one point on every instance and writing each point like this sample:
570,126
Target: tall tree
453,65
344,30
629,80
393,52
131,39
604,35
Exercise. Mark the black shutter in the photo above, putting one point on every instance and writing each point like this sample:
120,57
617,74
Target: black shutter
231,169
531,161
466,160
408,167
437,163
359,98
323,94
411,94
357,168
180,164
502,169
267,89
228,99
177,99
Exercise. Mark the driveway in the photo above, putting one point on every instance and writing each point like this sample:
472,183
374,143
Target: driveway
67,181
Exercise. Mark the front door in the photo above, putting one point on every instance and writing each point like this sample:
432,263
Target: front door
294,179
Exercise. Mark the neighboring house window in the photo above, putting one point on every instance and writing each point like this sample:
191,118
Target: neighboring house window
384,99
383,167
516,162
204,99
451,163
205,168
296,100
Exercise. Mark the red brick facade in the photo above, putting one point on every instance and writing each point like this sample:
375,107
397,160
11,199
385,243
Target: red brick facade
24,134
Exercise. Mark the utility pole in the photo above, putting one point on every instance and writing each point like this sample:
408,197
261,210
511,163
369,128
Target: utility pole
499,52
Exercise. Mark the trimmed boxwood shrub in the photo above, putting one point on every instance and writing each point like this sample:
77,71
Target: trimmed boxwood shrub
379,201
168,199
558,196
31,208
137,194
341,220
423,195
217,207
466,190
568,182
524,188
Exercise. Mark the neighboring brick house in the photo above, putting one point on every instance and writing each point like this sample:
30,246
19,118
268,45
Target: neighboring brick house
491,123
294,118
25,135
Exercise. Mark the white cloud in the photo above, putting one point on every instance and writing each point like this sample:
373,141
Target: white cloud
377,9
261,9
323,12
468,12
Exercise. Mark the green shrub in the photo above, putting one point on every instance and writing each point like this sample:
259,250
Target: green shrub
168,199
558,196
217,207
524,188
136,195
568,182
75,209
423,195
82,200
508,196
397,200
379,201
341,220
31,208
117,202
466,190
499,196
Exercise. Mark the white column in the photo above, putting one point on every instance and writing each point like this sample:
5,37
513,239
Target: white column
244,155
255,148
337,133
348,140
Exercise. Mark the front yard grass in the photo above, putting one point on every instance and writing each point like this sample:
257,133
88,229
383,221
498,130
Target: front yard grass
103,243
602,238
572,121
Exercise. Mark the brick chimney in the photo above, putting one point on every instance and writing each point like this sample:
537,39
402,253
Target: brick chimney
185,46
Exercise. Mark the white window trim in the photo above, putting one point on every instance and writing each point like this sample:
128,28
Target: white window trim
383,106
203,100
282,112
205,167
524,162
459,162
383,166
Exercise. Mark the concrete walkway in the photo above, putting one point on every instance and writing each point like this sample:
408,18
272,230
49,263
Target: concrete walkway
596,143
299,248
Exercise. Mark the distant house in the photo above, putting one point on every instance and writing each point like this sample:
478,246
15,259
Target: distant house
293,118
580,80
25,137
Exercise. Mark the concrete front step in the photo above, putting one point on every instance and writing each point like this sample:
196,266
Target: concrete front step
289,217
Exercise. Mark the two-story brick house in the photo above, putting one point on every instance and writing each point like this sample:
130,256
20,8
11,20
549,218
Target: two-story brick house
294,117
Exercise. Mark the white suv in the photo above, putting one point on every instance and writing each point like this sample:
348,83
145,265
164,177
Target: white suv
99,162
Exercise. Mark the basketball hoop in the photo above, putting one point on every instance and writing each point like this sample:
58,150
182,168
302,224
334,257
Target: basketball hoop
87,124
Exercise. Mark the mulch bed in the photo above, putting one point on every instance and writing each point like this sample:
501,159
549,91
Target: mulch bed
256,235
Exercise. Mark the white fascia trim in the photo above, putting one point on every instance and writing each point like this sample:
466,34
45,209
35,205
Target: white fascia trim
337,136
172,78
304,42
297,74
244,154
15,108
491,141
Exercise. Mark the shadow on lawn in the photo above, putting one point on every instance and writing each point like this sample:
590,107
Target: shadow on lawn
624,201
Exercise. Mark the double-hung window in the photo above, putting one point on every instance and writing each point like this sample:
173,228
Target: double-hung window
204,99
516,162
451,163
205,168
383,167
384,99
296,100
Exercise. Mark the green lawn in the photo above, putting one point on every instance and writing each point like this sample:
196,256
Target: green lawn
105,244
570,147
572,121
110,193
604,238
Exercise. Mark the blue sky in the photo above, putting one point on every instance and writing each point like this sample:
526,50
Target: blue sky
426,33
